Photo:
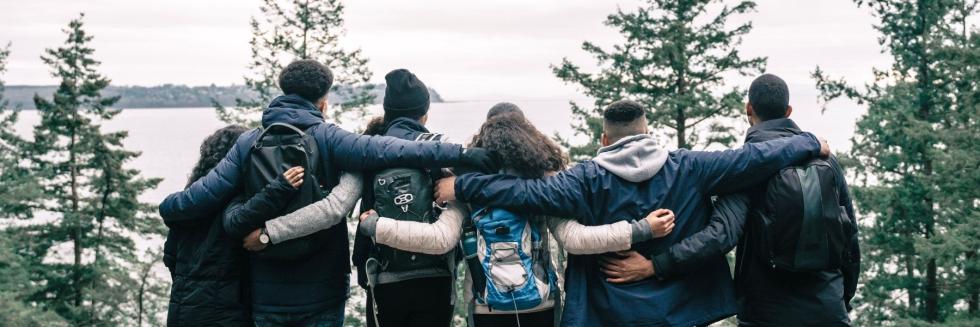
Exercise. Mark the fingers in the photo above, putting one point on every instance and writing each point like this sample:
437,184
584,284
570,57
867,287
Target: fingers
366,214
824,147
294,176
657,213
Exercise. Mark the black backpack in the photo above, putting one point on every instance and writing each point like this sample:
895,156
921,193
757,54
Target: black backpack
279,147
801,225
406,194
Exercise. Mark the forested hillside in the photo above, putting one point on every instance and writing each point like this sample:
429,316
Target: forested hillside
168,95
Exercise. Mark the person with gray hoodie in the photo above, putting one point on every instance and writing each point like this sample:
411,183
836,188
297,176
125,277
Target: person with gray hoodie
630,176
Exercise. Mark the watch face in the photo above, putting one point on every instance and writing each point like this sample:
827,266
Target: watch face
264,238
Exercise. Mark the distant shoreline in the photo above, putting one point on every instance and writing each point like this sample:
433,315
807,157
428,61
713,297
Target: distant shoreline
176,96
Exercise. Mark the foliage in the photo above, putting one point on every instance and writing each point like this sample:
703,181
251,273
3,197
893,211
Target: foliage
916,155
673,61
300,29
81,253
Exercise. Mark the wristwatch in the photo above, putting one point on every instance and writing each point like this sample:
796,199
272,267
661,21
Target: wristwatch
264,236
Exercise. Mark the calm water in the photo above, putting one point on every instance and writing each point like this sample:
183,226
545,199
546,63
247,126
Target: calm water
169,138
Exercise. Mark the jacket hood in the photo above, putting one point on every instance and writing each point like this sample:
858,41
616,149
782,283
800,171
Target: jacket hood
771,130
636,158
291,109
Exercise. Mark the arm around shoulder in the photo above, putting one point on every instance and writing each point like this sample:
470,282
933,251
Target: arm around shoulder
436,238
319,215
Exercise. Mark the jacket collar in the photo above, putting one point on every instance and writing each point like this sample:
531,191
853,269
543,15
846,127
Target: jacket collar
772,129
292,109
407,123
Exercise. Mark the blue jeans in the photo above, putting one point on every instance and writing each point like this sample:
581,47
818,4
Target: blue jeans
327,318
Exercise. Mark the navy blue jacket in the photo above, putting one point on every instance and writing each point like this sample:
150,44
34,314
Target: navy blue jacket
596,196
767,297
339,150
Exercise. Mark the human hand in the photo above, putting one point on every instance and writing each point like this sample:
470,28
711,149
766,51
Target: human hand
479,159
252,242
625,267
294,176
445,190
824,147
367,214
661,222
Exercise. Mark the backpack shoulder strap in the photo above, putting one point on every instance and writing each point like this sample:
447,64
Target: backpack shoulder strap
431,137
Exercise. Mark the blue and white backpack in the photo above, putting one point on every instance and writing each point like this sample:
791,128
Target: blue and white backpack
510,267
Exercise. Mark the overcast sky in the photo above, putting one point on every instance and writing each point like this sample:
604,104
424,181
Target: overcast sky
468,50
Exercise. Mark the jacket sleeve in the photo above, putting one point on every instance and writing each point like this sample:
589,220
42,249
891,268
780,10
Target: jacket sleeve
564,194
580,239
852,267
320,215
717,238
242,217
438,237
207,196
355,152
723,172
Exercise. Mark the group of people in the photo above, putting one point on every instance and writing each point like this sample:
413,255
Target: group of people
645,243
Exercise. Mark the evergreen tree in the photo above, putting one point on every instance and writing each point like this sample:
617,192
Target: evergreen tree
916,154
674,61
17,187
301,29
16,193
91,198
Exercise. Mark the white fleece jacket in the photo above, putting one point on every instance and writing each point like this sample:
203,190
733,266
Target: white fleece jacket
442,235
319,215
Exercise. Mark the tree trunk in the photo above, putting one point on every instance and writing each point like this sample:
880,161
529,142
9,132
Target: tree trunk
77,221
910,274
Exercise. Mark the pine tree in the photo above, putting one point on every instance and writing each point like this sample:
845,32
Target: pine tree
915,154
17,190
17,186
673,64
301,29
91,198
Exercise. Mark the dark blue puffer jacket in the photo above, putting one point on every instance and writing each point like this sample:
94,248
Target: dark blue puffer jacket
627,181
339,150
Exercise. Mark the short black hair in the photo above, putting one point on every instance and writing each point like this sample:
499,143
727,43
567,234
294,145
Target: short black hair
623,118
502,108
623,111
769,97
309,79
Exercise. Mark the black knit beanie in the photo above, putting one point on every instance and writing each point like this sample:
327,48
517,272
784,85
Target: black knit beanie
405,95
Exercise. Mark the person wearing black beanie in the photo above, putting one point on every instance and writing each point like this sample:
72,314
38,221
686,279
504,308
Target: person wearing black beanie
405,95
416,296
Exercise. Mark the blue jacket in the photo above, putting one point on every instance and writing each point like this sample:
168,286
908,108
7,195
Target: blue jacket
339,150
628,180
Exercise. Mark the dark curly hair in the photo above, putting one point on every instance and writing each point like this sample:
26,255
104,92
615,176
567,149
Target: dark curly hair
521,147
375,126
307,78
213,149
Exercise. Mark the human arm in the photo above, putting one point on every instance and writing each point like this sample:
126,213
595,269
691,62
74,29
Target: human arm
319,215
437,237
723,172
564,194
244,216
209,194
619,236
719,236
355,152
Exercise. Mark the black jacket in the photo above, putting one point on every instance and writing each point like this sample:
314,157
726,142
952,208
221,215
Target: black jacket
767,297
208,271
339,150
